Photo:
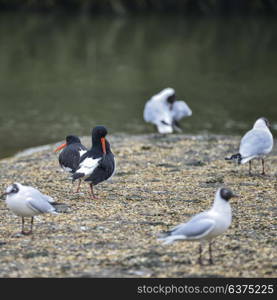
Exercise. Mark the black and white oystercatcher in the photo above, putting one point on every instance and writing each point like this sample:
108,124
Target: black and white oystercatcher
98,163
69,158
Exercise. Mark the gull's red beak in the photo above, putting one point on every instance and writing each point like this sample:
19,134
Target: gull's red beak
103,143
60,147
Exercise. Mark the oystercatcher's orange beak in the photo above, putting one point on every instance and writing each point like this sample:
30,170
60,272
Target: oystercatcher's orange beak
103,143
60,147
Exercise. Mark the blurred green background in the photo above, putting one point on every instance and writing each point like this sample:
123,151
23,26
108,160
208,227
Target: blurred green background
141,6
63,73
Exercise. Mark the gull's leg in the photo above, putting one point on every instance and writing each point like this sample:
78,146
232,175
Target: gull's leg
91,191
263,172
32,223
200,255
31,228
177,126
22,226
210,252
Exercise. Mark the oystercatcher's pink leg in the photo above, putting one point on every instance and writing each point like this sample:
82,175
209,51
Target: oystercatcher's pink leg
91,192
78,188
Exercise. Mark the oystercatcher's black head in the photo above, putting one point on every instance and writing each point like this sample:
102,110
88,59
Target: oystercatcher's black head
72,139
98,132
98,136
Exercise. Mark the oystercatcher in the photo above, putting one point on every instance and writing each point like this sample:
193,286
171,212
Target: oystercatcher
165,112
27,201
206,225
256,143
69,158
98,163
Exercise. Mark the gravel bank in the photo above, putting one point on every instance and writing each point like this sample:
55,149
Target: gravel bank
160,182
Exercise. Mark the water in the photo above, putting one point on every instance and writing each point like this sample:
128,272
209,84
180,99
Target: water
63,75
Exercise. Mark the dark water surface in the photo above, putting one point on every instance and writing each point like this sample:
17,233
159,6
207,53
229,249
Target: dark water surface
63,75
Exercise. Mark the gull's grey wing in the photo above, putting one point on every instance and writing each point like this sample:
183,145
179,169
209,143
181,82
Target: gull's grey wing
39,205
34,193
256,142
180,109
202,215
47,198
157,111
194,229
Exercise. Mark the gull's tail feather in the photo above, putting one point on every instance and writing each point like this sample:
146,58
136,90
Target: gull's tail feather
176,126
60,207
236,157
163,235
49,199
169,239
247,159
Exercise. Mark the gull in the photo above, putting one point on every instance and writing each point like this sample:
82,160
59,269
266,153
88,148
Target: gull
27,201
205,225
256,143
165,112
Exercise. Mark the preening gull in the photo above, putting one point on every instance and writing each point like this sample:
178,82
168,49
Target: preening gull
165,112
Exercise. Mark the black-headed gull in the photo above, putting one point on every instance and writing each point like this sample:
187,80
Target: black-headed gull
27,201
165,112
98,163
206,225
256,143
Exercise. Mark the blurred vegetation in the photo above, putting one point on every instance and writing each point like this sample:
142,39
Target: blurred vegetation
121,7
